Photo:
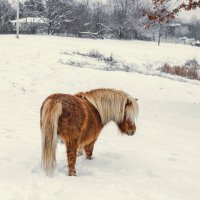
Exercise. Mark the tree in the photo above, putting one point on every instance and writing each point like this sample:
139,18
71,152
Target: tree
6,14
33,8
164,15
194,28
83,12
59,14
162,25
125,16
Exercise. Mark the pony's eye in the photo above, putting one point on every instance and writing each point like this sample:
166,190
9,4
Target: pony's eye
128,103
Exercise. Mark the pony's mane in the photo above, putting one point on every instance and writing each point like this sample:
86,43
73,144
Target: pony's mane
111,104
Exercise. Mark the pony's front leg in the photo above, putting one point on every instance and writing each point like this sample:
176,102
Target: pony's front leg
71,156
89,150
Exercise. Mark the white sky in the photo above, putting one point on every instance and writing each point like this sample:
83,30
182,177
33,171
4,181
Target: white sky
188,15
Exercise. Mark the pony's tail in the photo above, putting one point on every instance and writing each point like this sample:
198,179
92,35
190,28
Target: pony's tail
50,113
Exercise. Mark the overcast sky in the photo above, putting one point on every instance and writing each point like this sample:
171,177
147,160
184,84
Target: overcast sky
187,15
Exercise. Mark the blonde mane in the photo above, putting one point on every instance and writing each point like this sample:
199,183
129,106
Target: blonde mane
111,104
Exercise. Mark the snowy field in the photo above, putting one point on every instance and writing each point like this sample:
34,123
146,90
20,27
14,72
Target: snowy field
160,162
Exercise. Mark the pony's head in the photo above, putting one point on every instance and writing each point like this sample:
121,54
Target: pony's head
114,105
127,125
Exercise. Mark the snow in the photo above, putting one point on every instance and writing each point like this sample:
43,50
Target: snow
161,161
31,20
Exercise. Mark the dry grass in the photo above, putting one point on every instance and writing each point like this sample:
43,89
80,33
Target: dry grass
100,57
189,70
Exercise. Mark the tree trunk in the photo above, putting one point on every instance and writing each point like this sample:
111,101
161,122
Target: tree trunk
159,34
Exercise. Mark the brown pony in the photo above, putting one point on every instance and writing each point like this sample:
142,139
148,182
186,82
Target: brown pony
78,120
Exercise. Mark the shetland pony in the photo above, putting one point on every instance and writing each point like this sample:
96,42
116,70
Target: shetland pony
78,119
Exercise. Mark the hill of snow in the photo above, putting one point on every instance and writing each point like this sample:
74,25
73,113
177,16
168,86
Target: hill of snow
160,162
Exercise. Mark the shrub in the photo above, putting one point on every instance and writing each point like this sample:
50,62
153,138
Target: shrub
189,70
95,54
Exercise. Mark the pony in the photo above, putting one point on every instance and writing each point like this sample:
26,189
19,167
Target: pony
78,120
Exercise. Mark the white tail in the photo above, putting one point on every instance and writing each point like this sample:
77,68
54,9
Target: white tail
51,111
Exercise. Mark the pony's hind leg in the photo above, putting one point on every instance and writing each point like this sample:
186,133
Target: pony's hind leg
71,156
89,150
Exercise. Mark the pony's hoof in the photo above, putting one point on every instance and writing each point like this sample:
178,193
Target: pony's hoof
72,173
90,158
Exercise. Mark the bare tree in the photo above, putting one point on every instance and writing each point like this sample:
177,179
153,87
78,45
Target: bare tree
6,13
194,28
58,14
34,8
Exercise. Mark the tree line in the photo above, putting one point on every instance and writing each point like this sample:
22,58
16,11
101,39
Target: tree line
120,19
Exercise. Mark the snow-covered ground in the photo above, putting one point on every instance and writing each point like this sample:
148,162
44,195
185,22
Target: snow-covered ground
160,162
